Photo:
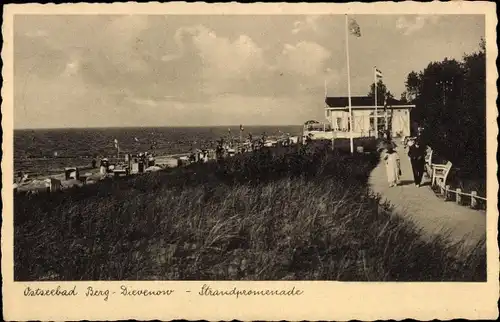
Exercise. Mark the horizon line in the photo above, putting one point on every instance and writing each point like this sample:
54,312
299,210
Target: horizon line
150,126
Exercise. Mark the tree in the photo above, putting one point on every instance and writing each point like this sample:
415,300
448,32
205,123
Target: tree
413,84
450,99
482,45
381,92
473,108
404,97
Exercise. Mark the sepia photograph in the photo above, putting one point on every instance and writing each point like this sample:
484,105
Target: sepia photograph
333,146
201,147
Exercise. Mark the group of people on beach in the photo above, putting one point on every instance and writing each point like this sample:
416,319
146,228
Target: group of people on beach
417,150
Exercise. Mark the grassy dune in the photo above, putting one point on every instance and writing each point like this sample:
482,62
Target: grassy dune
276,214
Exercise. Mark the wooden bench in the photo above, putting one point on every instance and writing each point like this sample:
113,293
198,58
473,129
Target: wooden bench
440,171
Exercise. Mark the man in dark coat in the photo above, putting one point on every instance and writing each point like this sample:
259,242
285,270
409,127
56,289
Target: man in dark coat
417,152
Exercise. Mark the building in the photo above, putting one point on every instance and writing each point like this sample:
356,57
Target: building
396,116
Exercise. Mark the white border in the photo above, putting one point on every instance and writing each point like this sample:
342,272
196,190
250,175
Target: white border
321,300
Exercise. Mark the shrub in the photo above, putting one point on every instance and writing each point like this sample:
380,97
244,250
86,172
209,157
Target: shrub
283,213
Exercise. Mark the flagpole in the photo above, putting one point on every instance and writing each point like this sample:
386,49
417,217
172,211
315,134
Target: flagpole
241,137
349,82
376,102
385,113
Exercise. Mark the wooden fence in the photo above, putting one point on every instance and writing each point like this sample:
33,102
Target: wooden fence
447,193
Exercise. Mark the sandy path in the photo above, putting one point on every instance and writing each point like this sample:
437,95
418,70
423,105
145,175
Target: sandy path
425,209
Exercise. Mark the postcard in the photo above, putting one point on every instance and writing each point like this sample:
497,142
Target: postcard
249,161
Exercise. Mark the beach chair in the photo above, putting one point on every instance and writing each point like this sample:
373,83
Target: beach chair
135,168
71,173
440,171
54,184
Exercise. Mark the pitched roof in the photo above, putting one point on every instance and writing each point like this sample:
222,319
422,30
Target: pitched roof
356,101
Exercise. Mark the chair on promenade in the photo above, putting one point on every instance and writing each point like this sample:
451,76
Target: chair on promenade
440,171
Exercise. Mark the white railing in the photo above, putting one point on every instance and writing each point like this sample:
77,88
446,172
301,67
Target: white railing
446,192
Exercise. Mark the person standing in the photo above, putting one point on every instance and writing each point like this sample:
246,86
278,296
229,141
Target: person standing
416,152
141,160
392,166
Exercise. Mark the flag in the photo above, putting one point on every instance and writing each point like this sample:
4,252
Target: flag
354,28
241,127
378,73
116,143
136,139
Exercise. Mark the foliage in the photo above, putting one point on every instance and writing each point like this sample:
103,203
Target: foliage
450,98
382,92
404,97
287,213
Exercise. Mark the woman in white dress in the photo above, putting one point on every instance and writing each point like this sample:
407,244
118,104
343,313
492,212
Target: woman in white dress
392,165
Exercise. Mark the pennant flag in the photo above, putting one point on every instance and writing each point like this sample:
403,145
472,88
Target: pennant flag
378,73
354,28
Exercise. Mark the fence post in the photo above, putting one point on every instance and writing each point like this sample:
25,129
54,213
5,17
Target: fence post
473,200
446,192
459,196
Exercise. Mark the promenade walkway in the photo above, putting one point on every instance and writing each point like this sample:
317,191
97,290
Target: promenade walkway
430,213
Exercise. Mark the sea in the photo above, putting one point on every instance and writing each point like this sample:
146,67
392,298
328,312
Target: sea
47,151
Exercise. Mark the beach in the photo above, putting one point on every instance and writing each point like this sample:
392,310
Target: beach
46,152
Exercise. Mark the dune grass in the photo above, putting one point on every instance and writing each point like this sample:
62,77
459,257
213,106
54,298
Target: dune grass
289,213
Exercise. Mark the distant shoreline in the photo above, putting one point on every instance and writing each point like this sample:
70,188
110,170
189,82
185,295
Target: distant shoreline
47,151
153,127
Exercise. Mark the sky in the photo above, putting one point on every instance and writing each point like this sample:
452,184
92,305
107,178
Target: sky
178,70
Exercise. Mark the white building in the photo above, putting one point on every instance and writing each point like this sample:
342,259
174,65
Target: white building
396,115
